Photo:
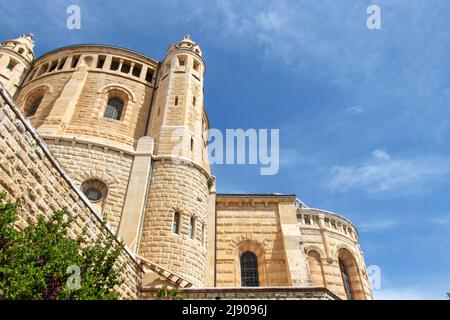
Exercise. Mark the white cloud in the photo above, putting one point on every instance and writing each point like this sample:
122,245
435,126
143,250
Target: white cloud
376,225
383,174
443,220
381,155
355,109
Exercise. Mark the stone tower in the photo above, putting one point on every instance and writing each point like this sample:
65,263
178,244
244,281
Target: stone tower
175,225
16,57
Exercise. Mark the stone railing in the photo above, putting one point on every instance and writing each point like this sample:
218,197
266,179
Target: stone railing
316,218
254,293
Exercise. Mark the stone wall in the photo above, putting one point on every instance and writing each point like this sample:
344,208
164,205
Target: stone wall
258,224
178,188
30,174
83,162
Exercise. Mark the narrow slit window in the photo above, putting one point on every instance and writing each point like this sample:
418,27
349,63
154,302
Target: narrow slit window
176,223
192,228
176,100
203,235
194,100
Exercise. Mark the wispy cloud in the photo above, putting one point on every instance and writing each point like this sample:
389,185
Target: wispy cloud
442,220
382,173
380,224
355,109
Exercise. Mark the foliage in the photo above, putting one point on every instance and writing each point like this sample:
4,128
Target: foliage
43,262
165,294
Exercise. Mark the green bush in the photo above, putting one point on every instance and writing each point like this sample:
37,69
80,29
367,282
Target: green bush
41,262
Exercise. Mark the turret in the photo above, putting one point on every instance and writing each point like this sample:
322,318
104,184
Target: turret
16,57
179,122
174,234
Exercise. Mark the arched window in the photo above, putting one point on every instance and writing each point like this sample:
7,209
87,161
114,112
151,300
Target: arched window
33,106
114,109
346,280
192,228
249,270
176,223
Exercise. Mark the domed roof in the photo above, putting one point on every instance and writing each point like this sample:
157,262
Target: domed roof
26,40
186,44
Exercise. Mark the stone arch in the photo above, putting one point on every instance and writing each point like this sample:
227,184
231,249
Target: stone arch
115,87
338,247
44,88
257,248
39,92
108,180
319,250
114,91
104,177
234,243
353,251
346,259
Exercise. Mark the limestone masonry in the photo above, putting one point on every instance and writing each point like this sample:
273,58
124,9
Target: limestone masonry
109,132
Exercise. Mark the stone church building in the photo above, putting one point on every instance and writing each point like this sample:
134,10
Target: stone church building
126,136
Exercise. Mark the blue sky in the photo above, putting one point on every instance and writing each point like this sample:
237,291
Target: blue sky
364,115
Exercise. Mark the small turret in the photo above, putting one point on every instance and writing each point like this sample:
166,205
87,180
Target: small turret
177,209
179,121
16,57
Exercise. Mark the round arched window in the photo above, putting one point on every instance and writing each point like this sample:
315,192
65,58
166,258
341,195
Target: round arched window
94,190
33,103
